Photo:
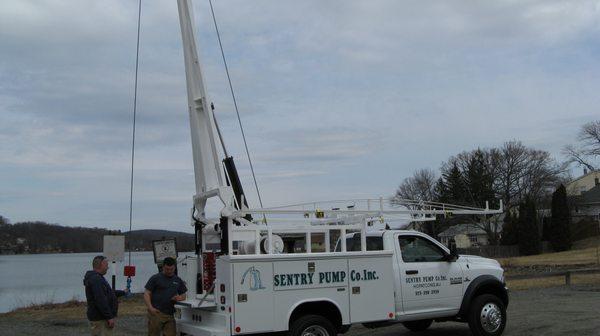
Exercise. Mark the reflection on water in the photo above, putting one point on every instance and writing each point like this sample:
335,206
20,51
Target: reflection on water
41,278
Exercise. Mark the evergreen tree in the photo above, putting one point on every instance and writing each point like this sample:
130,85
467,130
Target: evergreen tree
479,179
546,228
510,233
528,231
560,233
454,186
441,191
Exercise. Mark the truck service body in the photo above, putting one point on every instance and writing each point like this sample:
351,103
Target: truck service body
413,277
250,275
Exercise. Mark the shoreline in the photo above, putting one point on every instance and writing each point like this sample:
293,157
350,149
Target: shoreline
128,306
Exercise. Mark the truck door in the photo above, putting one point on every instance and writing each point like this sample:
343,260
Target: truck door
253,296
429,283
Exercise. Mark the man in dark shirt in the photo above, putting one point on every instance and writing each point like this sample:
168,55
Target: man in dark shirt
102,302
162,291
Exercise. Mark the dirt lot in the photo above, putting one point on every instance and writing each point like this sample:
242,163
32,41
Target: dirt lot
547,311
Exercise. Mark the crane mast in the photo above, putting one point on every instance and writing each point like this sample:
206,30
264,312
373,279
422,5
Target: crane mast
209,178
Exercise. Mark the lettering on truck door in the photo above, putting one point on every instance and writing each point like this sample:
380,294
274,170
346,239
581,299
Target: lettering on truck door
429,283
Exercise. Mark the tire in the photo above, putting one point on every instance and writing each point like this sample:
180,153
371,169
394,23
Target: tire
312,325
487,316
417,325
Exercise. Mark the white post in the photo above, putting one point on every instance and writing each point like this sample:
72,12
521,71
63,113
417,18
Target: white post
327,245
343,239
363,236
308,242
257,241
229,234
269,240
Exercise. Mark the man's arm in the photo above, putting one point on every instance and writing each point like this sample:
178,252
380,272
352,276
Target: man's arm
181,291
148,302
180,297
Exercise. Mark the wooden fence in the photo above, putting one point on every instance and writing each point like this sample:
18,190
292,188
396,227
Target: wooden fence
567,274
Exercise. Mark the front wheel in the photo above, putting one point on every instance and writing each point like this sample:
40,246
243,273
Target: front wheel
312,325
487,316
417,325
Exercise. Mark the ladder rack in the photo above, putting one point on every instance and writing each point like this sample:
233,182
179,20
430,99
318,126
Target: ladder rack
341,215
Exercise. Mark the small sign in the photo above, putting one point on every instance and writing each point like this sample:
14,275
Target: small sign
114,248
163,249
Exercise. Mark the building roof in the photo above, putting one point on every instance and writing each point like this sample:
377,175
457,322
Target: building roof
590,196
462,229
592,172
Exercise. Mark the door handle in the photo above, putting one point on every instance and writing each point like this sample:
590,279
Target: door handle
411,272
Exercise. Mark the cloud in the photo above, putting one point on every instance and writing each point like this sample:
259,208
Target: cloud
338,98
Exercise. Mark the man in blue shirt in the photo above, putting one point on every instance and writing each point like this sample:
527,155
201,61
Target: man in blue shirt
102,302
162,291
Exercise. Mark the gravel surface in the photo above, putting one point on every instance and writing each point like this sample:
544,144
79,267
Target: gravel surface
549,311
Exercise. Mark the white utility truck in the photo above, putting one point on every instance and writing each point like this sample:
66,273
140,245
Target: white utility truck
315,269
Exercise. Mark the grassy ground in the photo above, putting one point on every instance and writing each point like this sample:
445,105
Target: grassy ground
131,306
584,257
576,258
587,243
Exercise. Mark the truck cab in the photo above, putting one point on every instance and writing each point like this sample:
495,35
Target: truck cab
435,283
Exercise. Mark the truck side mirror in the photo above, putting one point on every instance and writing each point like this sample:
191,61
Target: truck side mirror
453,254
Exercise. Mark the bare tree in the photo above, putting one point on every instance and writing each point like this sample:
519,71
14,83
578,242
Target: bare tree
511,161
541,176
522,171
419,187
576,155
590,138
588,148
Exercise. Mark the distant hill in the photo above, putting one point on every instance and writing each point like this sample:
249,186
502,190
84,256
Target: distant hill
41,237
141,240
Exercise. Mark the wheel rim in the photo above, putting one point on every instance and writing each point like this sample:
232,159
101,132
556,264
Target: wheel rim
491,317
315,330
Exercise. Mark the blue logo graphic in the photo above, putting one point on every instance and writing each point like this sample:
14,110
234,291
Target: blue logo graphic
254,274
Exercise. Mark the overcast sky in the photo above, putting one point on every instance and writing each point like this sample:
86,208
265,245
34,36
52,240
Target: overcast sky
339,99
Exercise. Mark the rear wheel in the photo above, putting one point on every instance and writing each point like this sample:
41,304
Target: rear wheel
312,325
487,316
417,325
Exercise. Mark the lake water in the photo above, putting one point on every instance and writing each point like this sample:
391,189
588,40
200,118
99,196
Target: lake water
41,278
